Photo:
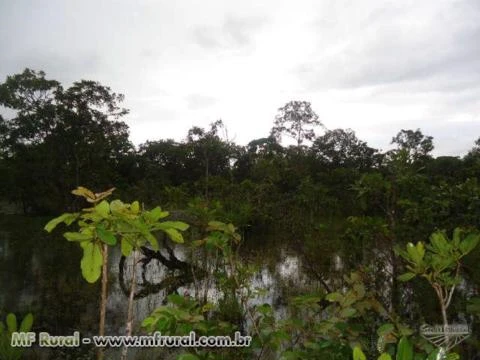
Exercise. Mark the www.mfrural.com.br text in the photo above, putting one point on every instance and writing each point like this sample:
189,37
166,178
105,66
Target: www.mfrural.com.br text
44,339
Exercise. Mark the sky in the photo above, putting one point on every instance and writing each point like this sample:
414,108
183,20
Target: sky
373,66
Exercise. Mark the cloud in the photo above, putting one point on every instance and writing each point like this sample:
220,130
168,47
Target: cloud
234,32
397,44
66,68
199,101
374,66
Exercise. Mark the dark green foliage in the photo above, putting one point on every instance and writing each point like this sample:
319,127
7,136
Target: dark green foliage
336,198
60,138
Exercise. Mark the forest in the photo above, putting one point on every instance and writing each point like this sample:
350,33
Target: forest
380,242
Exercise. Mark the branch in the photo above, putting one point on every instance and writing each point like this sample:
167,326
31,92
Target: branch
450,295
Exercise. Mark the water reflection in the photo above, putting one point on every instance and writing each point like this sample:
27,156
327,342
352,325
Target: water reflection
287,274
40,273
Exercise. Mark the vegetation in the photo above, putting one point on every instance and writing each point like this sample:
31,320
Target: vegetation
99,227
10,326
350,212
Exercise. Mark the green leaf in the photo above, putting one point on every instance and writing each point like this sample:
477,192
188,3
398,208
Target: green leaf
404,330
157,214
103,209
135,207
469,243
148,321
117,206
11,323
66,218
385,329
106,236
178,225
127,246
414,254
82,191
406,277
164,322
76,236
358,354
420,249
439,242
307,299
93,216
91,263
385,356
456,236
27,323
404,350
217,225
334,297
174,235
151,239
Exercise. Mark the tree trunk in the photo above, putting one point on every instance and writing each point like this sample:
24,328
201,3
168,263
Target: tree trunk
103,299
206,177
445,324
443,308
129,325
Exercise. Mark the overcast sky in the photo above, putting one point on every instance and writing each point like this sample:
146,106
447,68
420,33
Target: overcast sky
373,66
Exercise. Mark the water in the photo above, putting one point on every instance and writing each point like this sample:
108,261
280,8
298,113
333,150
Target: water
40,273
286,274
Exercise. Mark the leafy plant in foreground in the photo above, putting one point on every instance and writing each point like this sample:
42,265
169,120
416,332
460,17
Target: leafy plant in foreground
439,263
99,227
7,352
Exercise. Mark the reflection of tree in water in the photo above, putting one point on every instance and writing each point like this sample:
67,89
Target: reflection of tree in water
179,273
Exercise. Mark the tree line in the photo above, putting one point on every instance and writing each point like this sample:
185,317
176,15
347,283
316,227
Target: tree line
328,194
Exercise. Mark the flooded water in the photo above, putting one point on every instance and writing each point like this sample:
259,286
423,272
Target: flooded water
40,273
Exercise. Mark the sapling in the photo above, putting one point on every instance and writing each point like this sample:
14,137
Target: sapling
94,239
439,262
100,226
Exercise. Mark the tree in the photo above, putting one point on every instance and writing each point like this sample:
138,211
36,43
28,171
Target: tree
342,148
208,153
297,120
163,161
472,160
416,145
72,132
32,97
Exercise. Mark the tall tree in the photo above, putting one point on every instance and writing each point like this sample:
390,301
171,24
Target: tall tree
208,153
57,139
297,120
32,98
415,145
